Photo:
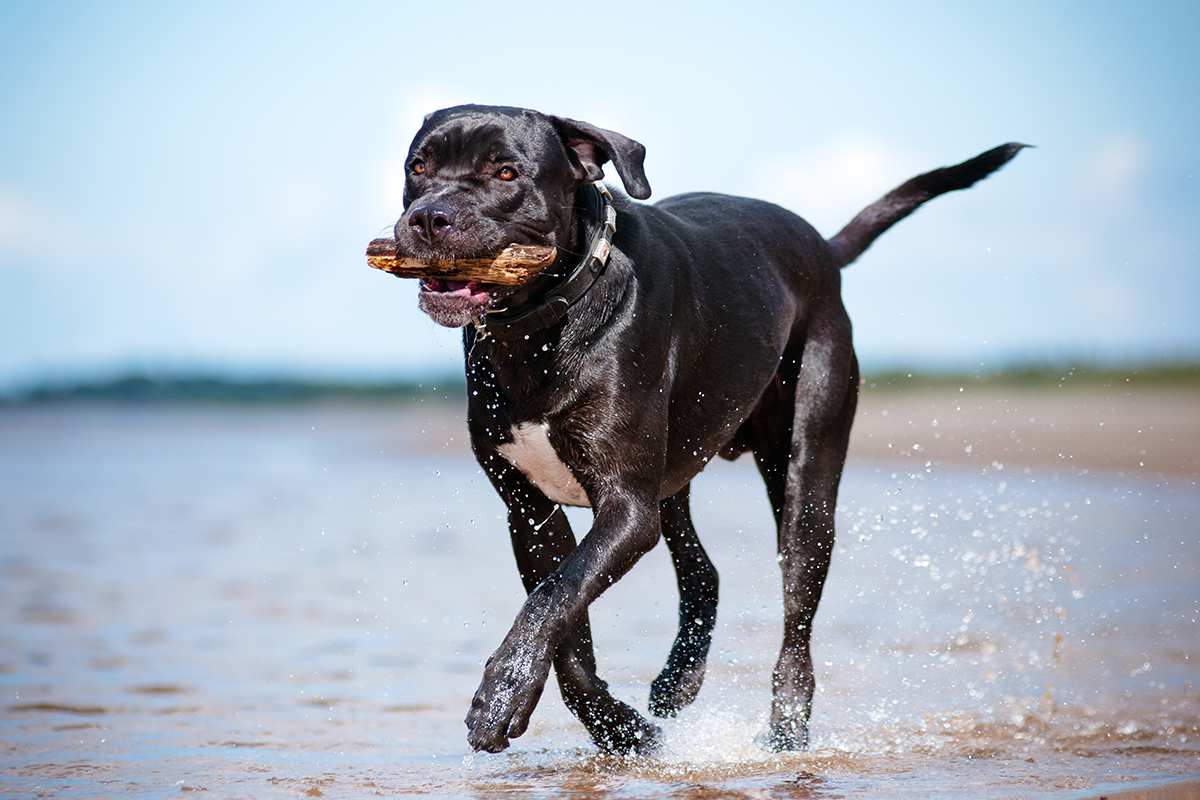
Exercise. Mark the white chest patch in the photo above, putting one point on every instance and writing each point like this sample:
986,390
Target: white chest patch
531,452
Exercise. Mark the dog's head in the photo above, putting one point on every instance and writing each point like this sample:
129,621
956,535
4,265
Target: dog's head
479,178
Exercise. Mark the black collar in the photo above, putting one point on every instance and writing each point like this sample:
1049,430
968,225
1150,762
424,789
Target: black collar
514,321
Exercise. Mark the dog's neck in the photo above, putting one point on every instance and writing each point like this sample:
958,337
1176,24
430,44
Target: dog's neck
525,368
544,303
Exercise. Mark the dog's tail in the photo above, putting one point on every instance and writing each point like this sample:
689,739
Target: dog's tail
897,204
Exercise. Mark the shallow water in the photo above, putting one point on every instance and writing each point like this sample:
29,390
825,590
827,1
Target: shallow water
298,602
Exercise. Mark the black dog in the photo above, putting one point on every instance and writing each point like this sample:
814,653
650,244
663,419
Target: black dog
665,335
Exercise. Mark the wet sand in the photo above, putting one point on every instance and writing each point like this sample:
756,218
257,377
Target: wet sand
296,602
1132,432
1171,790
1129,431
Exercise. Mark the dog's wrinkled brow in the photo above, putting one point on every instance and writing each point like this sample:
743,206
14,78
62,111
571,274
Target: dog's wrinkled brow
463,141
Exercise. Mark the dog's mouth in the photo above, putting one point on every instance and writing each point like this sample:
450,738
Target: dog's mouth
475,293
455,303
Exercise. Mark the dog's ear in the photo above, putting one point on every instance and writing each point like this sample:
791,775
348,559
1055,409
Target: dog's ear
590,148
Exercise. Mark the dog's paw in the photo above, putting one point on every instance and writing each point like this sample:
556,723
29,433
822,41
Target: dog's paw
789,735
678,683
676,686
512,684
624,731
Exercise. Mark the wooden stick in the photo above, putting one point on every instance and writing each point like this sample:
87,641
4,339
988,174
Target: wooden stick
514,265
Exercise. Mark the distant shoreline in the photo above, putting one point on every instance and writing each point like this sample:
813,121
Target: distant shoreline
216,387
1131,424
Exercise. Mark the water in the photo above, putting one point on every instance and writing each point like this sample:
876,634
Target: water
298,602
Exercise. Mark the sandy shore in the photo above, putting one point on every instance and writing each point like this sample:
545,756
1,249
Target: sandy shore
284,600
1175,790
1150,431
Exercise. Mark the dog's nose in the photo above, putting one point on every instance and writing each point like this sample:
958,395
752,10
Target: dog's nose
429,222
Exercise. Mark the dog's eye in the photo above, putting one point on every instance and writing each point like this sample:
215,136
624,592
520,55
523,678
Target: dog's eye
506,174
418,167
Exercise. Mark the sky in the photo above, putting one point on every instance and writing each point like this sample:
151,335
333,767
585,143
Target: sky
192,185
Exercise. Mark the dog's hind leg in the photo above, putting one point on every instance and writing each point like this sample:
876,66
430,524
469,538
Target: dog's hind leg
541,540
769,430
677,685
826,394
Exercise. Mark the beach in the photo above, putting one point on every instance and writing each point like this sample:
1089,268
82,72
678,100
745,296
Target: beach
296,600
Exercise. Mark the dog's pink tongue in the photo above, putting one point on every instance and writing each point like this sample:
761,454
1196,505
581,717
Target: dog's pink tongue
470,289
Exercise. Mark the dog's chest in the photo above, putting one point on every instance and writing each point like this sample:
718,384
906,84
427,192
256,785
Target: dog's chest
531,452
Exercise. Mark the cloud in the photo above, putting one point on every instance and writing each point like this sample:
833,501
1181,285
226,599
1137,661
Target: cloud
24,226
1117,165
830,183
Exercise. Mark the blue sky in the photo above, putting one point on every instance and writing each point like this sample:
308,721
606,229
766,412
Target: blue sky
193,184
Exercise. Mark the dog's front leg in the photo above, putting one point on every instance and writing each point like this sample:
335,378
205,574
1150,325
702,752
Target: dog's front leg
626,526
